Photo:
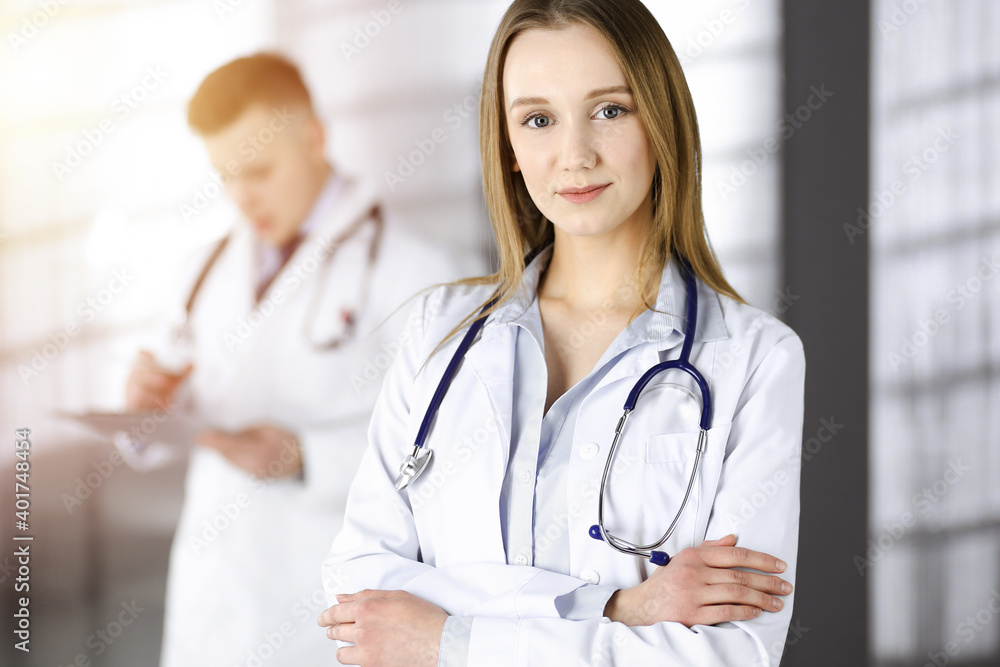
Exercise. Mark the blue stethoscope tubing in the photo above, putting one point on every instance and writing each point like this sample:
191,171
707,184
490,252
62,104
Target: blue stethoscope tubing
598,531
416,462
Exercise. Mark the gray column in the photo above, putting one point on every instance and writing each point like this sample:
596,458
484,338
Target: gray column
826,64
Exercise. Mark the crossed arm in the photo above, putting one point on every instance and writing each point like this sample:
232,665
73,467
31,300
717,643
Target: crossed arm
699,586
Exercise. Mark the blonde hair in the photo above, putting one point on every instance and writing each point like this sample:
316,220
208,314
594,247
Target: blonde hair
653,73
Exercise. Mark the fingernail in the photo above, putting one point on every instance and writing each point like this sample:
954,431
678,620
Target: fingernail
782,566
778,604
786,588
756,611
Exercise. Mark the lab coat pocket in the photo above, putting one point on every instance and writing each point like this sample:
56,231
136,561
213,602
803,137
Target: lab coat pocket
671,447
646,487
669,465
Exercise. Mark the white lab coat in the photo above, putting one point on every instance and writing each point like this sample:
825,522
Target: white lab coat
243,587
441,538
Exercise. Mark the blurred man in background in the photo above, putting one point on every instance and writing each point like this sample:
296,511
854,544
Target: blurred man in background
282,355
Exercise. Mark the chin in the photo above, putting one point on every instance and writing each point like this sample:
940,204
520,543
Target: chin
585,227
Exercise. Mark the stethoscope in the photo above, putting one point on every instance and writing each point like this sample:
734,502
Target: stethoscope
416,462
182,331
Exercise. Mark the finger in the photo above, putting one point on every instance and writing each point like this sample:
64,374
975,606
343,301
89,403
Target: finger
217,440
742,557
367,593
760,582
349,655
141,399
268,433
727,541
155,380
345,612
329,617
345,632
726,613
158,385
145,358
145,362
255,431
729,594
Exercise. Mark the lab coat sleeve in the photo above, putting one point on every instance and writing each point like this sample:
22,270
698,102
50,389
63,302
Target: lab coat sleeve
378,546
758,499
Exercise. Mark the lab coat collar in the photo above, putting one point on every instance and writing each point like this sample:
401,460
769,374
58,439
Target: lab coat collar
327,196
652,332
339,204
663,325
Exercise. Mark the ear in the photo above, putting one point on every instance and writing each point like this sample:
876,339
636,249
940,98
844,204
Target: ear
315,136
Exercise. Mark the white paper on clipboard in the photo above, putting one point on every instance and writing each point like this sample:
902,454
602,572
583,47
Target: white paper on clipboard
146,440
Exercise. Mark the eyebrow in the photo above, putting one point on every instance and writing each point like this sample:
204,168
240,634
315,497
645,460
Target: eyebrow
597,92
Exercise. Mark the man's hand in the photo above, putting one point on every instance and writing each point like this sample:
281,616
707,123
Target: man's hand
265,450
149,386
699,586
387,628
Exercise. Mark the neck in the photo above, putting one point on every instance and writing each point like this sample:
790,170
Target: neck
322,177
595,272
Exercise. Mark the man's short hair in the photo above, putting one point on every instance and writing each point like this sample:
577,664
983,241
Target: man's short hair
265,79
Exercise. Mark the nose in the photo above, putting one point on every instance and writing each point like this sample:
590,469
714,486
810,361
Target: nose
579,149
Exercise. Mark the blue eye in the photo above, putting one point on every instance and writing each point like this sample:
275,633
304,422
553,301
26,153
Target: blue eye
611,112
542,121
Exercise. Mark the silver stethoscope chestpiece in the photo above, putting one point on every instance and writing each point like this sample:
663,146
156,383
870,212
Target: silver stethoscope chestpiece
412,466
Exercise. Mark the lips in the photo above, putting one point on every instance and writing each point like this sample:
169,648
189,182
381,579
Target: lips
583,195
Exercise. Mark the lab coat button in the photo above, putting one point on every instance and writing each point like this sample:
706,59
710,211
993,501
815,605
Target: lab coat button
525,476
590,576
521,559
589,450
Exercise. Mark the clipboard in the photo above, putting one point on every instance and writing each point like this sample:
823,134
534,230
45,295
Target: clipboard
145,439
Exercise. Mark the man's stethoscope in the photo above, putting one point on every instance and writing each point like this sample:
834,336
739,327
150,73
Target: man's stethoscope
181,336
373,216
417,461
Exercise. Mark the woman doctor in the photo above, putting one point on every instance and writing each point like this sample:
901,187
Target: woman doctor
591,157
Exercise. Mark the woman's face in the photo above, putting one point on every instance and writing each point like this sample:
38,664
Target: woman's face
577,137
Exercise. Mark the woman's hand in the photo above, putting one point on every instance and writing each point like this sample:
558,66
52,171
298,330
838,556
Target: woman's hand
700,587
387,628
